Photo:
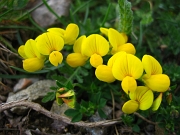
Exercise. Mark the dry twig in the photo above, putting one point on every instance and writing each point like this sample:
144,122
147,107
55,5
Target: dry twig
39,108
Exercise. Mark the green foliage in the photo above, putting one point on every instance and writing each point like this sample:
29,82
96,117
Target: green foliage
125,16
88,108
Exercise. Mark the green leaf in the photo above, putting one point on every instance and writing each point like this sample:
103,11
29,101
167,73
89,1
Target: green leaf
49,97
136,128
102,103
59,84
95,97
74,114
69,85
54,88
102,114
125,17
77,117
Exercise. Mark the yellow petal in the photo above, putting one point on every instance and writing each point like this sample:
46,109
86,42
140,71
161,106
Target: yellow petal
76,59
96,60
146,100
104,31
114,57
104,73
144,96
57,31
30,49
78,43
128,47
125,37
157,102
129,84
130,106
56,58
159,82
127,65
151,65
115,38
95,44
71,33
22,52
33,64
48,42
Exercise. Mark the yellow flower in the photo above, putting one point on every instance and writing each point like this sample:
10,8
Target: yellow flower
77,59
154,79
104,72
69,34
95,46
157,102
141,98
118,41
127,68
34,61
50,44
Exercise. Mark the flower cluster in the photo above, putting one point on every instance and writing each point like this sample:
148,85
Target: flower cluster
122,65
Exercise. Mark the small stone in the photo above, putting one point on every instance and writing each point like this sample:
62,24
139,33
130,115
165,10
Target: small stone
34,92
45,18
24,83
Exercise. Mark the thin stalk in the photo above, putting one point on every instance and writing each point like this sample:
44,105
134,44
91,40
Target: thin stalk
50,9
7,44
107,13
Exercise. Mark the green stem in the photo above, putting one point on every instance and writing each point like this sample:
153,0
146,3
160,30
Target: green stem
80,86
5,13
7,44
70,78
140,35
36,25
107,13
50,9
29,11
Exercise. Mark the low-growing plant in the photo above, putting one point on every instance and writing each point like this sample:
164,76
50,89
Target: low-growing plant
96,62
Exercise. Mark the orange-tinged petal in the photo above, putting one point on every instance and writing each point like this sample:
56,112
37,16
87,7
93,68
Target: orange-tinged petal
33,64
69,102
96,60
115,38
130,106
157,102
127,65
104,73
22,52
151,65
128,47
71,33
48,42
95,43
76,59
57,31
159,82
67,94
78,43
129,84
56,58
